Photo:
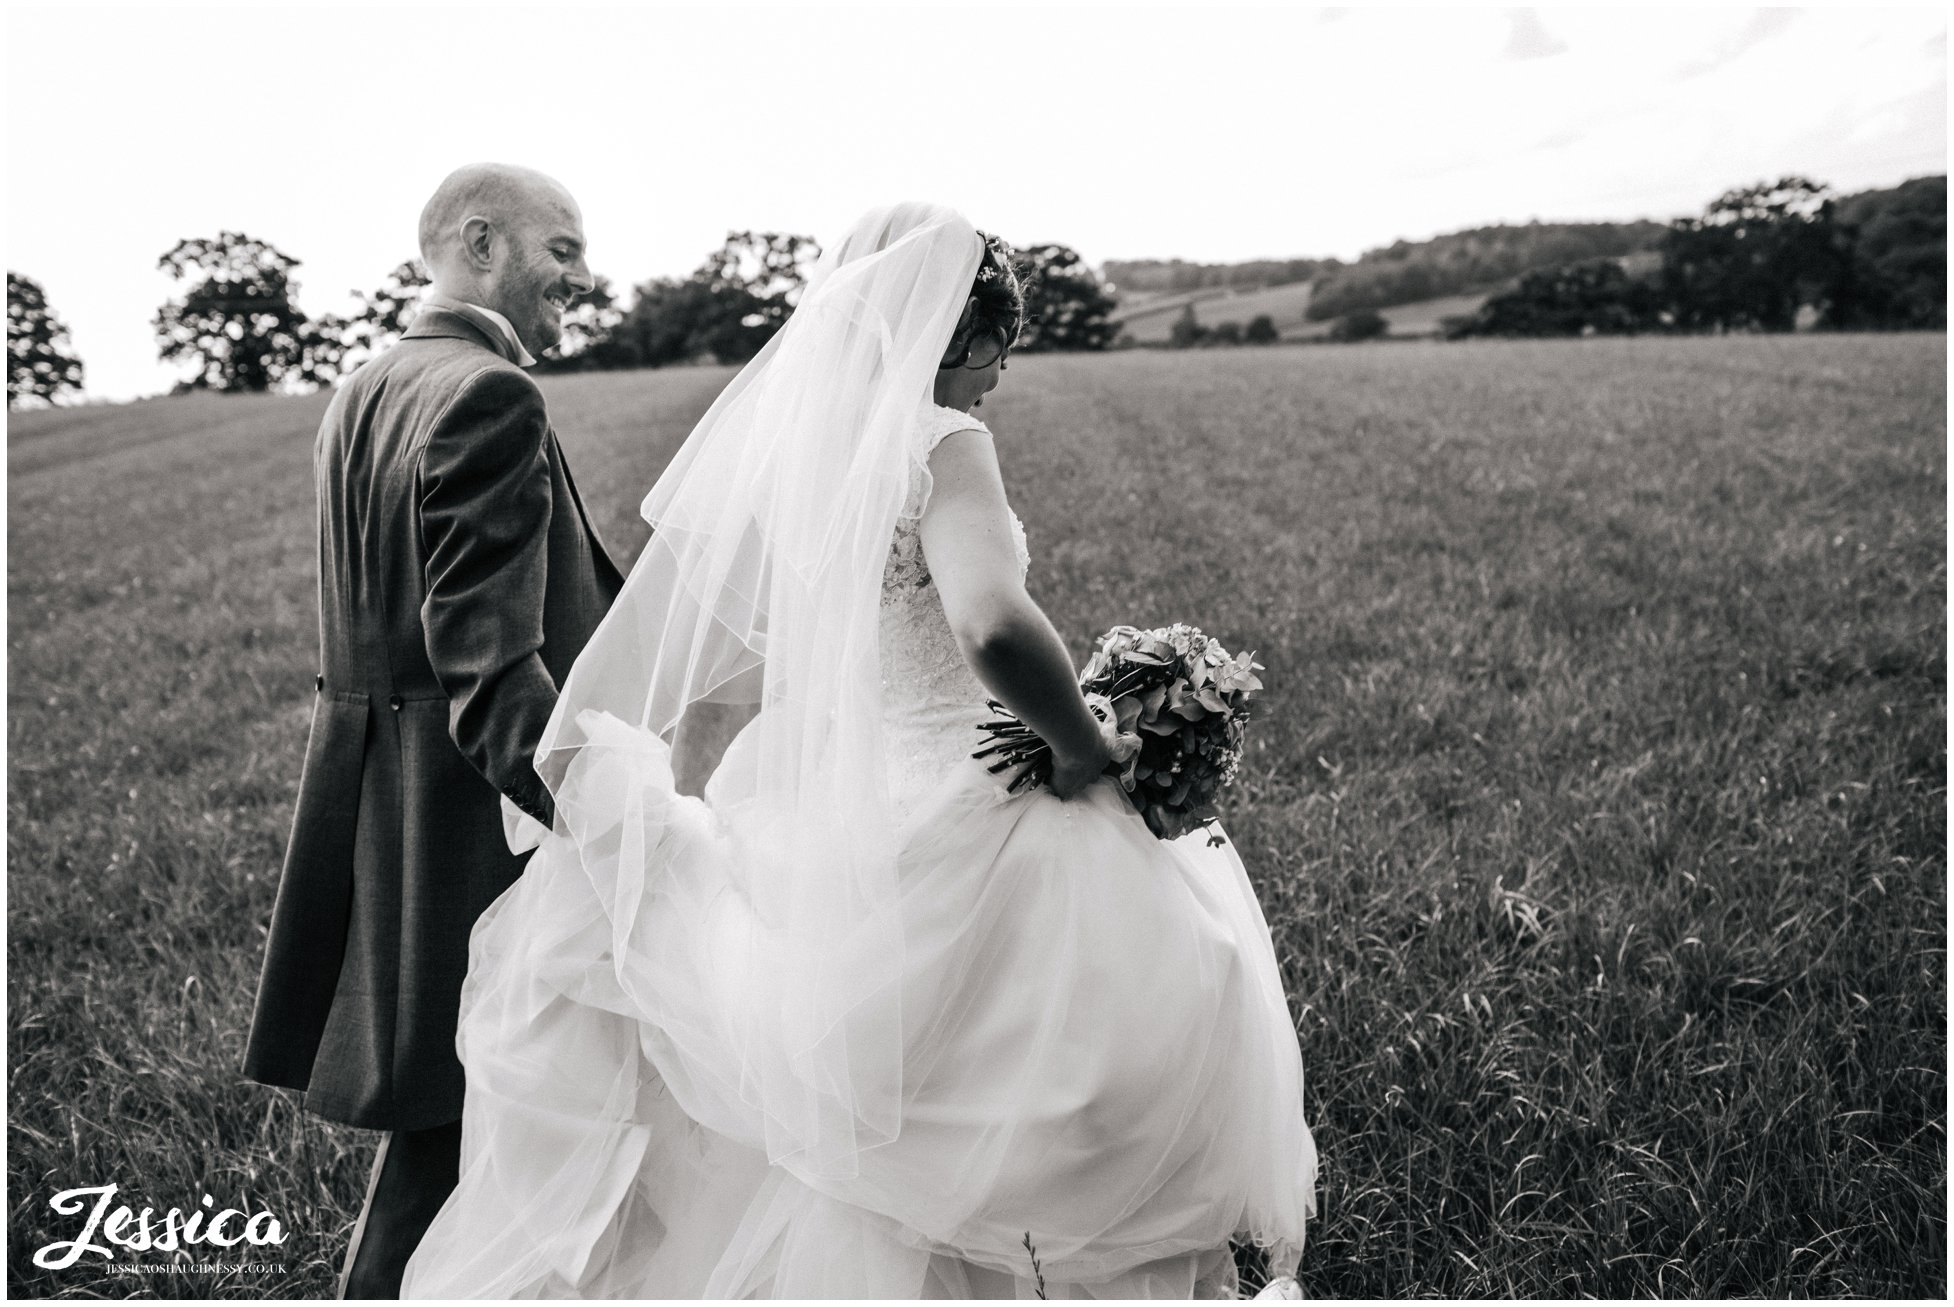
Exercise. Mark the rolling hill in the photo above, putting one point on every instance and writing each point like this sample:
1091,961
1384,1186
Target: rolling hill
1150,320
1417,284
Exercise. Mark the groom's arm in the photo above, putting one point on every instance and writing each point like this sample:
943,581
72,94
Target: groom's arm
485,520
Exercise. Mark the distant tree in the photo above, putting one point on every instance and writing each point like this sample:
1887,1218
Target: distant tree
385,311
658,326
1755,256
1596,296
767,270
673,321
1187,330
1261,330
1067,303
729,307
1227,333
1899,247
331,345
768,264
236,323
1405,271
323,350
40,363
1364,324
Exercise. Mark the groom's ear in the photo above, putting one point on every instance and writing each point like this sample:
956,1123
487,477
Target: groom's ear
478,242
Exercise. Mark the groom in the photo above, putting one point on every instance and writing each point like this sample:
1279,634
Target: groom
458,579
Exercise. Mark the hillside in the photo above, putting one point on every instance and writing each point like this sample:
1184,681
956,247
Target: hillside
1405,271
1472,263
1174,276
1150,321
1902,232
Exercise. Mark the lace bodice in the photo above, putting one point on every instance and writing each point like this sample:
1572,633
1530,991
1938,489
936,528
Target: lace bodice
931,701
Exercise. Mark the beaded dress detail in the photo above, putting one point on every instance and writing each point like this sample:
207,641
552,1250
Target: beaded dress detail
932,702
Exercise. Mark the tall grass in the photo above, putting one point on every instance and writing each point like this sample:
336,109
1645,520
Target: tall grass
1597,799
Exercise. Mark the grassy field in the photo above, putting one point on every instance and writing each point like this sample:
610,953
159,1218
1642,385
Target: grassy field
1597,803
1153,321
1427,317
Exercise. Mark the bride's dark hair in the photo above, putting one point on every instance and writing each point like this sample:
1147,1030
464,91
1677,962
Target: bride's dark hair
1000,309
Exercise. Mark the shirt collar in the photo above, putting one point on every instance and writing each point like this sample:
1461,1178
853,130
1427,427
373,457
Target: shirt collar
498,327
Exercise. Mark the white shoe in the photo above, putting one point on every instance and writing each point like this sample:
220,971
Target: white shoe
1283,1286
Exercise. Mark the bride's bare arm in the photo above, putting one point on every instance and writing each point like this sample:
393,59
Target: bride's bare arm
1005,637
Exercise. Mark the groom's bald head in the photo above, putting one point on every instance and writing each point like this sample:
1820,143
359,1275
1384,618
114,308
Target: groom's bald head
509,239
504,194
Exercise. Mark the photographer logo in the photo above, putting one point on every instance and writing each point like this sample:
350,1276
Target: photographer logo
118,1227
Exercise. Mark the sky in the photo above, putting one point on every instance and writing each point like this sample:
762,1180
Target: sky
1198,132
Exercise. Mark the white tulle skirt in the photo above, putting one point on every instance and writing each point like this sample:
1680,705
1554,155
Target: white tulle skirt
1100,1083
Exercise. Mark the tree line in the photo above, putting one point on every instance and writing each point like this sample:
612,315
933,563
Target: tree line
1168,276
1405,272
1400,272
1768,257
236,324
1774,256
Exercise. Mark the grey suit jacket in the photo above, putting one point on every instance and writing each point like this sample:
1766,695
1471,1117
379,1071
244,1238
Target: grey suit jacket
458,580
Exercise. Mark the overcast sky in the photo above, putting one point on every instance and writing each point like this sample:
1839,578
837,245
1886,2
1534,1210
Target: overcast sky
1198,132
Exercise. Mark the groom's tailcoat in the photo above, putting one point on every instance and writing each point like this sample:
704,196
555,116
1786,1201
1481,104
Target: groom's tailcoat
458,579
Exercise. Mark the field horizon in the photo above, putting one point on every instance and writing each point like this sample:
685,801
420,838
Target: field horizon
1596,801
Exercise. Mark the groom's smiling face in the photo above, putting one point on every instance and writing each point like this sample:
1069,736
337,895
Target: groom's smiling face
540,270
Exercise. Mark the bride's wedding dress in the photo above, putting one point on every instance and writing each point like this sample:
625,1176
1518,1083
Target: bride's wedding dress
1064,1060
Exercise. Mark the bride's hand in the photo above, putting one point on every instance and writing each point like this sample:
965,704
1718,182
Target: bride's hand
1114,749
1071,775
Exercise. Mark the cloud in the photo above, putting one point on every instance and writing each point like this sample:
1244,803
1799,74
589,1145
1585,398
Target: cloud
1528,38
1764,24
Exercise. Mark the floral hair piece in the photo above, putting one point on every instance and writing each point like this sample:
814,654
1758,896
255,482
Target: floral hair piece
1001,255
997,300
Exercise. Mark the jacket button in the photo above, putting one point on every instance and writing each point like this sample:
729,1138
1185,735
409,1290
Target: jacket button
393,702
321,680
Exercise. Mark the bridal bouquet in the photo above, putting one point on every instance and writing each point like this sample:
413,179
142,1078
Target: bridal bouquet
1180,703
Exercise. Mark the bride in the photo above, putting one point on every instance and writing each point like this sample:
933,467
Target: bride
857,1021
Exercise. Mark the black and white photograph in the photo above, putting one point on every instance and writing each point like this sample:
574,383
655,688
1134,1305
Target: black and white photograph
976,651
